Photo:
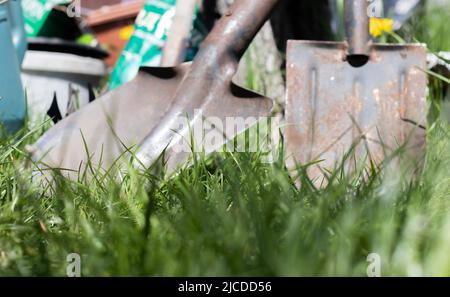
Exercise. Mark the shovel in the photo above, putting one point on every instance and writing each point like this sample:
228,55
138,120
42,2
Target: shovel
354,98
142,118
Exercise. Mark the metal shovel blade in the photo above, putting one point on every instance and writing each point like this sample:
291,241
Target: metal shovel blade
334,108
145,115
116,122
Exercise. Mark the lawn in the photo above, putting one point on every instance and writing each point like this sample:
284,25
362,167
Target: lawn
233,214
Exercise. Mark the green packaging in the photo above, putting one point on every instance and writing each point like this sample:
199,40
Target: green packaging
36,12
145,47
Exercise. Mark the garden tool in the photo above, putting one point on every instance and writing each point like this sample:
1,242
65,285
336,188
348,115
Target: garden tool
354,98
143,116
12,50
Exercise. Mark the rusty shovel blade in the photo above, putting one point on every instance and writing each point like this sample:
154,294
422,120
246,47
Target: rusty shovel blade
334,108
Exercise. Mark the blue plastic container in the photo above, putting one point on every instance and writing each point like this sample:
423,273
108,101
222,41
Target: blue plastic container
12,51
18,32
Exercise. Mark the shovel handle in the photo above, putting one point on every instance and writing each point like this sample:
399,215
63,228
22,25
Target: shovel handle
235,31
357,27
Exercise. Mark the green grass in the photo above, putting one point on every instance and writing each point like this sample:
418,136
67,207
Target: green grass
227,215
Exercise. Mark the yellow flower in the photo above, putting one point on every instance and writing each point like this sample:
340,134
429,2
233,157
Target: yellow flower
378,26
126,32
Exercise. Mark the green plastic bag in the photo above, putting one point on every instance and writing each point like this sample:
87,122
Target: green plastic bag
147,42
36,12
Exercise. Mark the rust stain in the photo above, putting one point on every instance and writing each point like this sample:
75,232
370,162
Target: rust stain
370,113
